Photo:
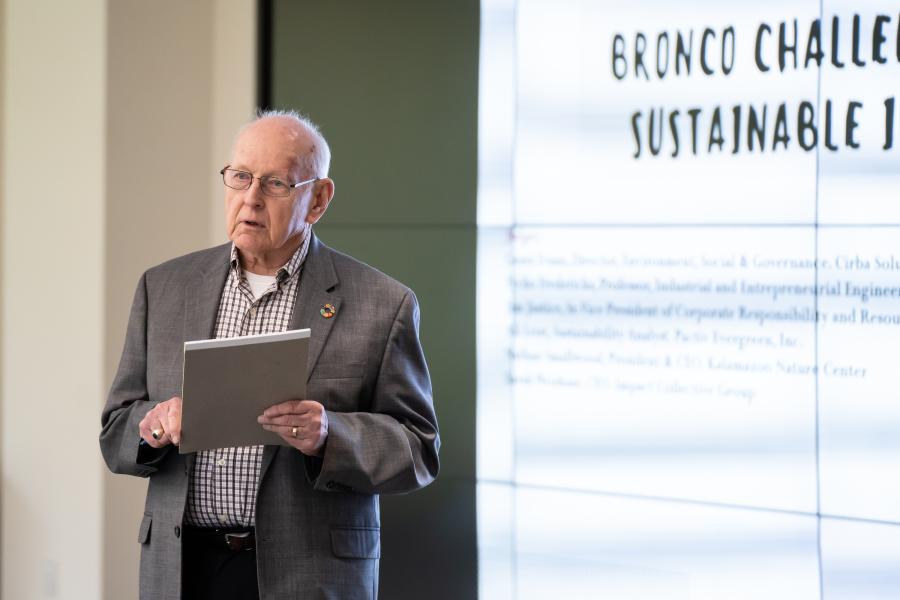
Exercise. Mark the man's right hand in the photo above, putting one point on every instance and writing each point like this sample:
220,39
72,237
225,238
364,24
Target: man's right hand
164,418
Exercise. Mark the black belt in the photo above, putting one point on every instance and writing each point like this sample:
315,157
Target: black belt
232,539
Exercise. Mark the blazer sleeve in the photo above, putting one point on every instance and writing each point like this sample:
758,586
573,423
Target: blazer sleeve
393,448
128,400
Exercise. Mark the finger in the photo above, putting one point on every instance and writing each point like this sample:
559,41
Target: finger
147,436
150,420
160,435
287,420
164,440
288,428
285,408
307,433
146,427
306,443
310,406
155,426
172,421
165,425
303,443
153,419
281,429
293,433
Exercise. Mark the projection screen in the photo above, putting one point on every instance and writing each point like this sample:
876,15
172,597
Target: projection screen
689,300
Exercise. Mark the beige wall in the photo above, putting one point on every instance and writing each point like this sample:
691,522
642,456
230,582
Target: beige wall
124,111
53,218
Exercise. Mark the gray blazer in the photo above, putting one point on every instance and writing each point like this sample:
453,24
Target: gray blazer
317,520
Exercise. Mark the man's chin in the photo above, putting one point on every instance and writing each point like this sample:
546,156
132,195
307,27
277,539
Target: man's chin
249,244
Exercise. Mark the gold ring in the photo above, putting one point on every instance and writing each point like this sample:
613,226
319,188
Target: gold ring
157,433
294,431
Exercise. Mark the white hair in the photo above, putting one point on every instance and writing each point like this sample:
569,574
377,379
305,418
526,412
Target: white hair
315,163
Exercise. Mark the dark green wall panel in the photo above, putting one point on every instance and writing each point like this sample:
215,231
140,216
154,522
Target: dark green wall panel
394,87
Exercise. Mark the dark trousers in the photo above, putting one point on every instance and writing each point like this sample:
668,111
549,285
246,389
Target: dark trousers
212,571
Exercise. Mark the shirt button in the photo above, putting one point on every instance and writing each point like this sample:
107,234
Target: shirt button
253,312
223,518
177,531
221,462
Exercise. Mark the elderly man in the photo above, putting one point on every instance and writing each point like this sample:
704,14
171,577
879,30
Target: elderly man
273,522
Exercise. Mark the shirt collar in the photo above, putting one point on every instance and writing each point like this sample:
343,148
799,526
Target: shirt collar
285,272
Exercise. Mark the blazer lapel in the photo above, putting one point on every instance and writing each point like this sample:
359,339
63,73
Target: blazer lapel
317,282
203,294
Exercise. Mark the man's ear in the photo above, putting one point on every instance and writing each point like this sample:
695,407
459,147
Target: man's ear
322,195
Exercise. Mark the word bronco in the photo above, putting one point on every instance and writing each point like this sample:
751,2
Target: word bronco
757,127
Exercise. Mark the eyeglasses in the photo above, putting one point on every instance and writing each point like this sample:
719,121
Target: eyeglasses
271,185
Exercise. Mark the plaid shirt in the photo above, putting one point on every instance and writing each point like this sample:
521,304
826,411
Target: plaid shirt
222,490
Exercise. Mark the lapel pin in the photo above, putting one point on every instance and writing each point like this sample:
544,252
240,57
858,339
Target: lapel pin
327,311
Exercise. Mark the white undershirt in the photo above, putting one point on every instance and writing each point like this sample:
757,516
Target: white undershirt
258,283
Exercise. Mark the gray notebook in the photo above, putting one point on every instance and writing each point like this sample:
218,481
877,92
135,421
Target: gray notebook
229,382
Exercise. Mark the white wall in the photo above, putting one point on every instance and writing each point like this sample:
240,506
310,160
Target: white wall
97,97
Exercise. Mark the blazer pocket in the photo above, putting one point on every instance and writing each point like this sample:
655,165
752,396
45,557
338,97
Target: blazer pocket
356,542
144,531
346,370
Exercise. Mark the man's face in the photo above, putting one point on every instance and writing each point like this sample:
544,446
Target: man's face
265,227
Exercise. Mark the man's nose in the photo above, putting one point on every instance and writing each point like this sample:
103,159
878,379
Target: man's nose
254,195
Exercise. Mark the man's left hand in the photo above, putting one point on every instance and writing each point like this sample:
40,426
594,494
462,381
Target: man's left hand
301,423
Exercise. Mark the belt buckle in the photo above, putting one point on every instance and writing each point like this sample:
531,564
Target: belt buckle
236,541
